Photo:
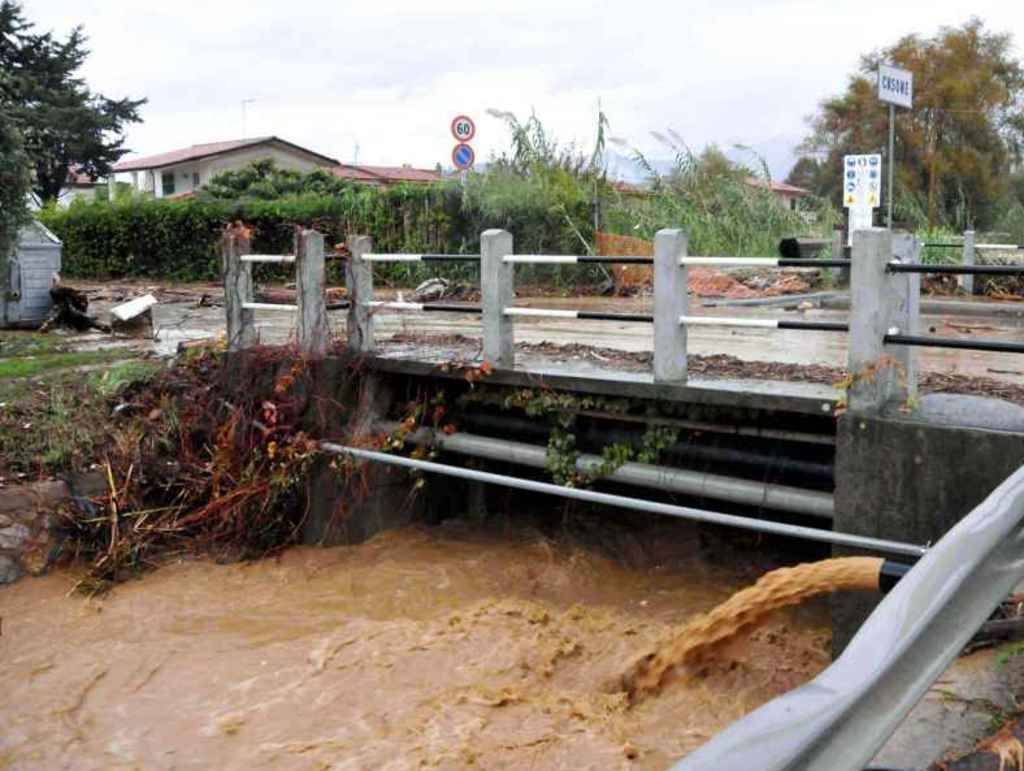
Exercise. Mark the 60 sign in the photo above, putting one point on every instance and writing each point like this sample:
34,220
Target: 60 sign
463,128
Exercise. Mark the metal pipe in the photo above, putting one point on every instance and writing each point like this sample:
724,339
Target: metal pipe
425,307
267,258
722,321
734,490
421,257
634,504
967,270
499,424
558,313
717,428
994,346
762,262
269,307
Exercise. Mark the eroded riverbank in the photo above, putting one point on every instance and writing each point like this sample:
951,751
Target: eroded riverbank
446,647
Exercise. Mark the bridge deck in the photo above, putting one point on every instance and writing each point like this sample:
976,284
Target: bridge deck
594,377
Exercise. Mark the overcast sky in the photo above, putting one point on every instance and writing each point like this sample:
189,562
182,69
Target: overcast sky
389,75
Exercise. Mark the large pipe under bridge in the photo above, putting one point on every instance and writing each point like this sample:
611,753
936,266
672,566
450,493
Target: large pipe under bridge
634,504
674,480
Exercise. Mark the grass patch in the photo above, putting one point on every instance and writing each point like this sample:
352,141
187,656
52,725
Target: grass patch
29,344
31,365
111,380
60,425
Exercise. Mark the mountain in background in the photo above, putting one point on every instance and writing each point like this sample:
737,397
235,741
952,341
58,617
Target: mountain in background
779,153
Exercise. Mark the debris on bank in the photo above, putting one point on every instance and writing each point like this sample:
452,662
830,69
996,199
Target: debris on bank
70,309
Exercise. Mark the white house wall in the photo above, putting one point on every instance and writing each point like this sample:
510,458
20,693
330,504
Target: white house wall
151,180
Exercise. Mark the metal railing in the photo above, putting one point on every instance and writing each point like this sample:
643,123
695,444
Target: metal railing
313,333
883,324
839,720
968,253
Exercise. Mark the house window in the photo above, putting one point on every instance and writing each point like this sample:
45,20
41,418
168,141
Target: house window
195,179
167,183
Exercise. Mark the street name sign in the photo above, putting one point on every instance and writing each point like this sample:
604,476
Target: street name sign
895,86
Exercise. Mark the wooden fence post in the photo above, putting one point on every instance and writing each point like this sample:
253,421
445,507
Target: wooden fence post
238,290
359,279
314,333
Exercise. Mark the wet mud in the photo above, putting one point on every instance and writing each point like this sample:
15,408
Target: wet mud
449,647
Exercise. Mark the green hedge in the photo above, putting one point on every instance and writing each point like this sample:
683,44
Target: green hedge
178,239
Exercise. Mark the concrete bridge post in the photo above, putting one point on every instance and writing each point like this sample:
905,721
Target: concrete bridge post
238,289
670,302
881,303
313,331
497,292
359,280
967,281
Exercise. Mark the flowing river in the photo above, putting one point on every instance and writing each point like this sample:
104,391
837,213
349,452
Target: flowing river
449,647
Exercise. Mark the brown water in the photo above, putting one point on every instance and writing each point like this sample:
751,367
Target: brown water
705,635
448,648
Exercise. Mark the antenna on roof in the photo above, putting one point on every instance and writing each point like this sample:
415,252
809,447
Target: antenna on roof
245,102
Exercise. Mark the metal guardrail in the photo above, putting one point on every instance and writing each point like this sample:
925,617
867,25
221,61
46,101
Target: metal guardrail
840,720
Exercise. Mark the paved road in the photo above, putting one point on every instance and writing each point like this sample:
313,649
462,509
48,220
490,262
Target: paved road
180,321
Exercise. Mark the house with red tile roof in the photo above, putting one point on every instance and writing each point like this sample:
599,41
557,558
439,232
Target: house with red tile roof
788,195
384,176
181,172
79,185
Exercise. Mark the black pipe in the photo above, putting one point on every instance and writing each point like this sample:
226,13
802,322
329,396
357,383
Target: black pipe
617,260
452,308
451,258
813,263
967,270
994,346
597,316
890,575
819,326
593,436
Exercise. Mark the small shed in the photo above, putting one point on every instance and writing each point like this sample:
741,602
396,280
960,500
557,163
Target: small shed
26,279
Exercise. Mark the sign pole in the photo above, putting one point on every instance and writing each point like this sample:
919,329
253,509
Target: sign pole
895,88
892,159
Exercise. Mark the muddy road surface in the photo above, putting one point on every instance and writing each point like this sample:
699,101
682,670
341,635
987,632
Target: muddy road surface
177,318
450,647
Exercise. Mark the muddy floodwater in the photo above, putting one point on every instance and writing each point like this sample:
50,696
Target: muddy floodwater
447,647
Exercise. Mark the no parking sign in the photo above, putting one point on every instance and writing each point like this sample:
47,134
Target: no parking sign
463,156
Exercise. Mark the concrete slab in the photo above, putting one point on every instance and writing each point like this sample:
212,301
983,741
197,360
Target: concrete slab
804,398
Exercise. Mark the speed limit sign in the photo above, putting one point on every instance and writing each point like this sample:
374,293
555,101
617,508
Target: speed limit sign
463,128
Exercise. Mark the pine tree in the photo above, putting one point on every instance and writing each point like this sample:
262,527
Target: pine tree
63,123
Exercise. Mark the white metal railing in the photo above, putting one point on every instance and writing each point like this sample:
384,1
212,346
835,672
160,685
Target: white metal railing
267,258
310,277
